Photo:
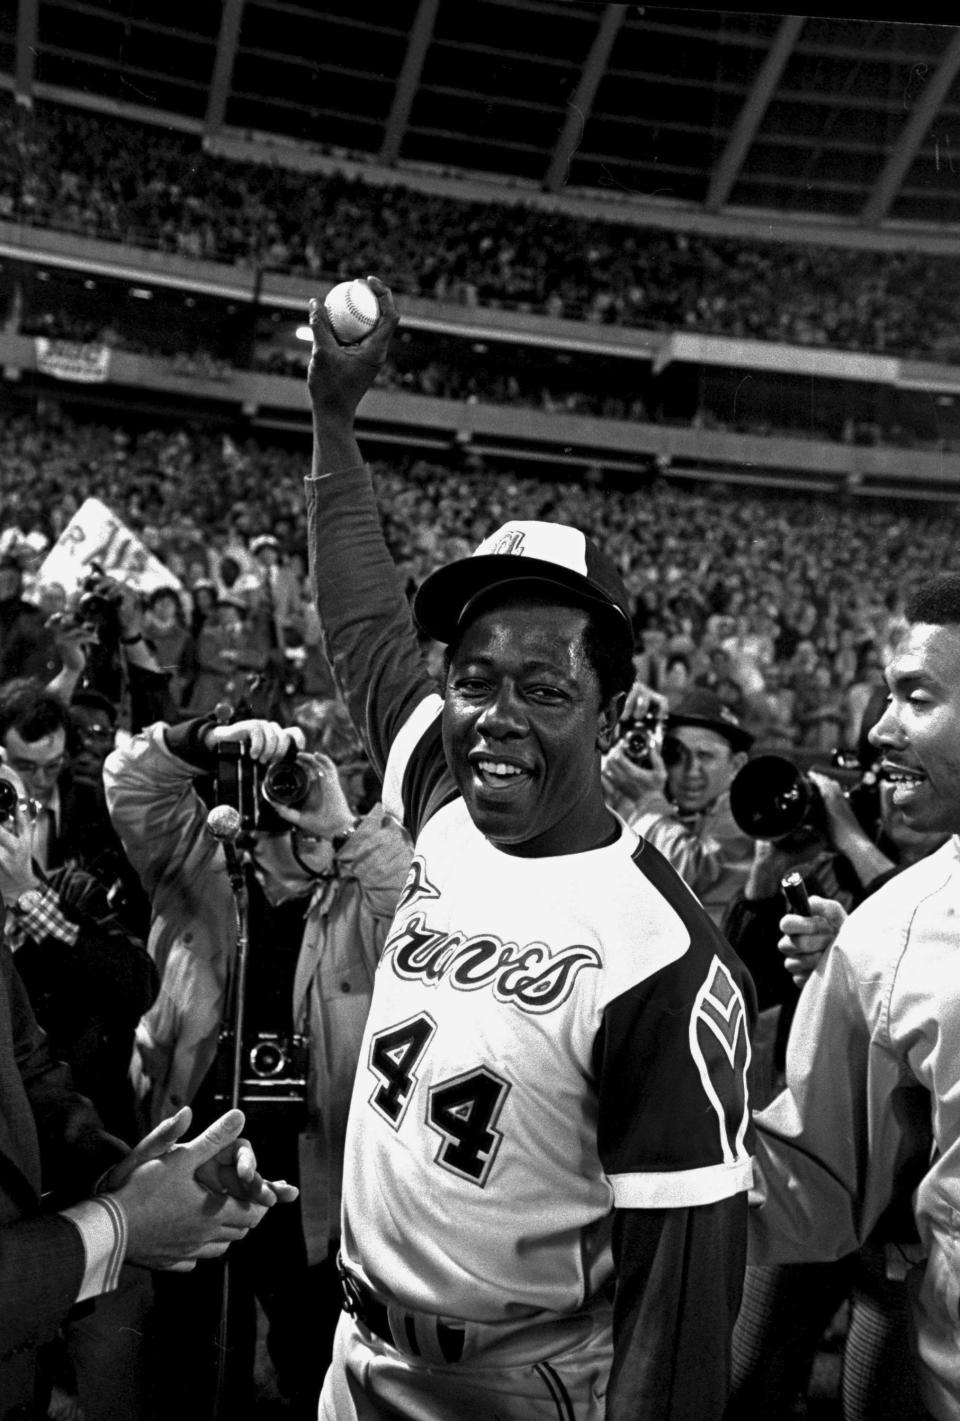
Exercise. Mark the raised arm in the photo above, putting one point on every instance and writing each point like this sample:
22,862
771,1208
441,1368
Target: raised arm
368,631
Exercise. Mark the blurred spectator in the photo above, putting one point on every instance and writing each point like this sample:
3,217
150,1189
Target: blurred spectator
173,646
226,655
277,592
203,603
858,696
819,710
26,645
772,710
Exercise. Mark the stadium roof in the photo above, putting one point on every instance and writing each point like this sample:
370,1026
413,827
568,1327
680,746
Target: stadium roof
857,119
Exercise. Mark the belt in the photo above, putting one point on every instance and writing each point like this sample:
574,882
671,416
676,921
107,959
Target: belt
363,1305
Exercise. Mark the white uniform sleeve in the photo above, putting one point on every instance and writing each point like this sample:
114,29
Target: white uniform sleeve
841,1142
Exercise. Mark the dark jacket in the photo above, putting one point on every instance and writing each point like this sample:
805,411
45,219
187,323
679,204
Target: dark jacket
51,1143
89,996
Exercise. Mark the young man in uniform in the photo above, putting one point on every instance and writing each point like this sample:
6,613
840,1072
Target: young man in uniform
547,1148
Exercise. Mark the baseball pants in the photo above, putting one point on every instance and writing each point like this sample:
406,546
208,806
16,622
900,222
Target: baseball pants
526,1376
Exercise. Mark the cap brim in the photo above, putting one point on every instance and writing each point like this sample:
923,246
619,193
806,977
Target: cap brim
442,598
739,739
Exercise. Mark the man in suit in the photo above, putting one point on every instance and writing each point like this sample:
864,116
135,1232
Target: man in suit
76,1203
58,750
89,981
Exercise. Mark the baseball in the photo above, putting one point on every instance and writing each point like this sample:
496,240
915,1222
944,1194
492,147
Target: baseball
353,311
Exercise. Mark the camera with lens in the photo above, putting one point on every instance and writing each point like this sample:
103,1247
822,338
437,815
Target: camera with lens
274,1072
98,603
68,622
8,801
772,798
248,787
640,737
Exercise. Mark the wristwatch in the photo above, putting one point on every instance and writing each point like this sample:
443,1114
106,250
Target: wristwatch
338,840
30,898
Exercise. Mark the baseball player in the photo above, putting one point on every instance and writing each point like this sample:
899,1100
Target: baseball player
548,1144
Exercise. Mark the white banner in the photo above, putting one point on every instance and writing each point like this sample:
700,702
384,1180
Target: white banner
95,535
73,360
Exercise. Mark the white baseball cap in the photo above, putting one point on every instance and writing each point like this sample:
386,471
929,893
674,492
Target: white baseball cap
551,556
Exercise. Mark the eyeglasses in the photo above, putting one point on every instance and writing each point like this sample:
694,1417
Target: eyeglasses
31,769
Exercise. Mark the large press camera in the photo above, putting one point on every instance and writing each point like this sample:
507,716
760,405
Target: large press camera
772,798
274,1076
95,606
271,1066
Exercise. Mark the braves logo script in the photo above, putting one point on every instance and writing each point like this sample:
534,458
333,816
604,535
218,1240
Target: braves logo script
417,885
531,977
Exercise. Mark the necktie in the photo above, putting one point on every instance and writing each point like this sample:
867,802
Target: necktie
45,838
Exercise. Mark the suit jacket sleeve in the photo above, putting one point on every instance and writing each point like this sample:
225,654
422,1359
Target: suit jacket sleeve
51,1139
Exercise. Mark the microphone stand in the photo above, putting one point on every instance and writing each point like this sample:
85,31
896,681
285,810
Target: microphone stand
237,992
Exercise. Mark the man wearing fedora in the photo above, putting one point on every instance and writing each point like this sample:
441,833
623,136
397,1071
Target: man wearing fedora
681,803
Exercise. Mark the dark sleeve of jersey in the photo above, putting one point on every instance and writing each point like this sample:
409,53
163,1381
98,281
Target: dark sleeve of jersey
368,630
670,1063
679,1280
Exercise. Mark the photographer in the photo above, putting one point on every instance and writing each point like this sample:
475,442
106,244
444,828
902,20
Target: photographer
679,801
88,981
63,1242
322,888
58,752
102,645
808,823
787,1307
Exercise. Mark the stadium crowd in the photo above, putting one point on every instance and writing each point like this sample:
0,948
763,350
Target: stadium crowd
99,175
781,620
744,592
750,611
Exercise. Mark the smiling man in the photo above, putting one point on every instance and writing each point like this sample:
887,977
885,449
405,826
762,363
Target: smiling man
547,1150
866,1136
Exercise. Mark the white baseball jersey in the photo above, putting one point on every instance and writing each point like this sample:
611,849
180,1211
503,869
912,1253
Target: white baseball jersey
554,1045
549,1038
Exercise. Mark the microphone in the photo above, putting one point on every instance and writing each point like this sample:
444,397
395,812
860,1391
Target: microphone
224,825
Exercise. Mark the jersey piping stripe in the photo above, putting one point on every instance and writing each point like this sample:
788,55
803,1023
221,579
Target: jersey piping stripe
558,1392
686,1188
404,743
671,887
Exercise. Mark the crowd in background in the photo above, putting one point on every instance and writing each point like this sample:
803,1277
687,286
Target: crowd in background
102,176
785,614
